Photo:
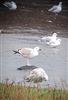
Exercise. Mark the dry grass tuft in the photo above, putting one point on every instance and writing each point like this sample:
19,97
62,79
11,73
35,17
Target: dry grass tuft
19,92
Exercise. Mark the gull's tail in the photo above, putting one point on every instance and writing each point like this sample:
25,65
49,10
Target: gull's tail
15,52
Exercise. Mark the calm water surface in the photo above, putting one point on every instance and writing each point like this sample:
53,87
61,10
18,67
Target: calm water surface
52,60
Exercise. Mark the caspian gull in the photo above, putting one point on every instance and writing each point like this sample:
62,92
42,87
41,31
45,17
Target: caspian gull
28,53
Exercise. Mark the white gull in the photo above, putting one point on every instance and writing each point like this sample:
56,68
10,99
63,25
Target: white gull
11,5
28,53
37,75
56,8
47,39
55,43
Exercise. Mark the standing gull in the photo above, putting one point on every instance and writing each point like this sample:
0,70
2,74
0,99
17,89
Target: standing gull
56,8
37,75
28,53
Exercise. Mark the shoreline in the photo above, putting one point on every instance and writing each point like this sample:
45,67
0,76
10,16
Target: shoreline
33,21
35,32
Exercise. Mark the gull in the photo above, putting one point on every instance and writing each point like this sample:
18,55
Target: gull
56,8
28,53
11,5
37,75
55,43
49,38
52,41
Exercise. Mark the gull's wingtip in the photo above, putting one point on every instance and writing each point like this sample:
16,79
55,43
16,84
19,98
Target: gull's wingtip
15,52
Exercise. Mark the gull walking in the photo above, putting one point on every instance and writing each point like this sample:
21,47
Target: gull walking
28,53
56,8
37,75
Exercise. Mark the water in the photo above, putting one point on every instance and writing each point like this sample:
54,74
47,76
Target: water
52,60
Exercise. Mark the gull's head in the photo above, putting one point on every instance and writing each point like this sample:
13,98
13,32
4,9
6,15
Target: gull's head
54,34
37,49
60,3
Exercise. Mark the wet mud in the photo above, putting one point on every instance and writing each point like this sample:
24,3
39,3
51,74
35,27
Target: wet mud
34,18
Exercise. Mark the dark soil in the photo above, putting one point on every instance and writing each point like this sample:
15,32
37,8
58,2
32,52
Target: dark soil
36,17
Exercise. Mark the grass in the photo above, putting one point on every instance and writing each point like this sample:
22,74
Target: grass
19,92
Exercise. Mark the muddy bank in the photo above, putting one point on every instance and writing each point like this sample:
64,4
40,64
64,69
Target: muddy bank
34,18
